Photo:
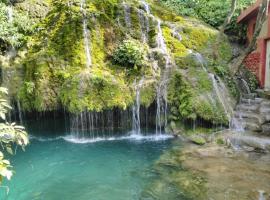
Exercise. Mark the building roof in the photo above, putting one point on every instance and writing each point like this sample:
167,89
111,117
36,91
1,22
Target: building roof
250,12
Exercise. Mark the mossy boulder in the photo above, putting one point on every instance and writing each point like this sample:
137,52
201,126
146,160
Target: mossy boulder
196,139
54,72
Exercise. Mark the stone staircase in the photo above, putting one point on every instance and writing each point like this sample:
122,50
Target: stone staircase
252,114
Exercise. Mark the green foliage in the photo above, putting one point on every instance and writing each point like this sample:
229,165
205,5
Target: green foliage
14,31
212,12
189,100
223,72
130,53
250,78
10,135
209,112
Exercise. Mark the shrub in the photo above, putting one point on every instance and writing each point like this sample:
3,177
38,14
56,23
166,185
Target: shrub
130,53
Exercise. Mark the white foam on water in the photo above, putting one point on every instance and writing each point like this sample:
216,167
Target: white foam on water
134,137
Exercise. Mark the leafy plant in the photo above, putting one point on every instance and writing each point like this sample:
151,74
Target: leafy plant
130,53
10,135
14,27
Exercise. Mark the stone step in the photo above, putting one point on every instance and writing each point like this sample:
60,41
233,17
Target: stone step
265,103
249,115
251,101
264,110
248,107
247,124
266,129
252,126
249,96
247,120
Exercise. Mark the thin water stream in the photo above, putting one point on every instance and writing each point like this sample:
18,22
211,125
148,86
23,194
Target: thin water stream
86,36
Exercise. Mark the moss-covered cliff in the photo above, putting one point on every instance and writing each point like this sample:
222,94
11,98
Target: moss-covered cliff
86,55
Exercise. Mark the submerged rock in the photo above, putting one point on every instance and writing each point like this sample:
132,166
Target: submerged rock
212,172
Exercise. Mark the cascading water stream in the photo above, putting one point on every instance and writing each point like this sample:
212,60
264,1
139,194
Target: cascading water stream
10,14
86,36
146,7
261,195
136,122
219,95
218,86
20,112
127,15
201,60
177,35
144,25
161,88
245,84
158,110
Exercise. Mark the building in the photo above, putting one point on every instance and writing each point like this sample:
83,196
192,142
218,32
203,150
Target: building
259,60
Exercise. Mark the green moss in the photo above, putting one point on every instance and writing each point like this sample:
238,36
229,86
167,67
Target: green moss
180,97
209,112
201,80
55,66
176,47
196,38
198,140
148,95
220,141
95,90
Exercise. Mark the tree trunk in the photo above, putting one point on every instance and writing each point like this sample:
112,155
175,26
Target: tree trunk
229,17
223,27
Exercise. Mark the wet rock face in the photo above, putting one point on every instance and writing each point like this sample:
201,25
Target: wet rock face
266,129
252,114
249,142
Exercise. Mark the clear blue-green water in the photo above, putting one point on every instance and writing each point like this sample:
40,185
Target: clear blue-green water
104,170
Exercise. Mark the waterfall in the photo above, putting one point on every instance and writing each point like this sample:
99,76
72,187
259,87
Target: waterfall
219,94
261,195
162,102
176,34
200,59
136,122
144,21
146,7
86,36
237,124
245,84
160,39
161,88
219,87
10,14
144,25
19,112
127,14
